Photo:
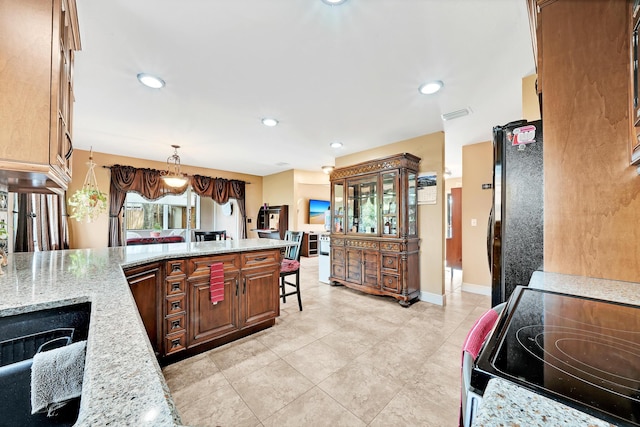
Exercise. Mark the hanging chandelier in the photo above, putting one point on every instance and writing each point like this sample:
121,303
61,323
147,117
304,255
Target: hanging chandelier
172,177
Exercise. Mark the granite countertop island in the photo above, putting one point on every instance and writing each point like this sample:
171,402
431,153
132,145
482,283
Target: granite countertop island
507,404
123,383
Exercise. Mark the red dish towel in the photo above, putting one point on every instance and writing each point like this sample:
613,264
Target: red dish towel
216,282
479,332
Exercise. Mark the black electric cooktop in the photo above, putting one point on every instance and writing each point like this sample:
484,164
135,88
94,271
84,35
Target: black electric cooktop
579,351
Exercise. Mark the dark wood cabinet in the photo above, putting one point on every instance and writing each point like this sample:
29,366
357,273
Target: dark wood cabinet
273,218
374,233
145,283
309,246
251,298
173,299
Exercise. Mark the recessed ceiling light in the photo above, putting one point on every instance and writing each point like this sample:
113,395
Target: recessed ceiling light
336,144
333,2
430,88
150,81
267,121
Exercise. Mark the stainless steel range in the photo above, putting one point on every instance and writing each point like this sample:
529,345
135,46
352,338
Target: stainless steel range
579,351
324,265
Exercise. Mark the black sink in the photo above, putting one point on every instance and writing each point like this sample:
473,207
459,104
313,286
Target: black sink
21,337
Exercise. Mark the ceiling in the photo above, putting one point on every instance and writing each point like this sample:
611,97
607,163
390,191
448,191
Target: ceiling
346,73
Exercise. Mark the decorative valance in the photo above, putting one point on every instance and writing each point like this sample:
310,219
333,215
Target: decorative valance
148,183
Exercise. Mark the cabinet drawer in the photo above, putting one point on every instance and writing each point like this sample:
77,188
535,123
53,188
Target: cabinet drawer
337,255
337,271
198,267
390,283
390,263
256,259
174,343
175,268
175,323
175,285
391,247
175,304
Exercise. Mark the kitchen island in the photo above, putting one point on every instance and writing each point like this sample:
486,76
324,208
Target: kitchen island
123,383
506,403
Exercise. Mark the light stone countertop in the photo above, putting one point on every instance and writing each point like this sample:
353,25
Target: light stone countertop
123,384
507,404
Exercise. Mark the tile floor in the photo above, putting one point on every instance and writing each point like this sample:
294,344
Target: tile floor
348,359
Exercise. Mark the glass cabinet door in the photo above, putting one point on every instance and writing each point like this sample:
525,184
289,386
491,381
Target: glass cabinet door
412,196
362,205
338,208
390,206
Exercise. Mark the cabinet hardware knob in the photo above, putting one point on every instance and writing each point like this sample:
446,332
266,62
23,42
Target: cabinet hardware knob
175,343
175,324
175,305
175,286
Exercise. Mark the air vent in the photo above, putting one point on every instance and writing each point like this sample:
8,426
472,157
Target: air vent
455,114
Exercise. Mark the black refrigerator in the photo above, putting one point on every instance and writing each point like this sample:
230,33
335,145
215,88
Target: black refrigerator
516,223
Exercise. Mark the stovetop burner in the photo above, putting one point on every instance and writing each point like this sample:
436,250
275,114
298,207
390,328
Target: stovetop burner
583,352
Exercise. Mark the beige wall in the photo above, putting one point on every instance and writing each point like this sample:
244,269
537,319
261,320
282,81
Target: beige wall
430,148
477,169
309,185
530,101
95,235
277,190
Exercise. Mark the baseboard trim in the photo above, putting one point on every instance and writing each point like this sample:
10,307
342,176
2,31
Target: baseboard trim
433,298
476,289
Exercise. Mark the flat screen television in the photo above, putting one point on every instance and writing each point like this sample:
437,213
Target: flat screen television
317,210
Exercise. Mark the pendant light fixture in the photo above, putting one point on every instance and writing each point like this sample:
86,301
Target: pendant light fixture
172,177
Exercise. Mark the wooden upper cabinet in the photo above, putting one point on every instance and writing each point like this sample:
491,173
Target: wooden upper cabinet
634,67
37,40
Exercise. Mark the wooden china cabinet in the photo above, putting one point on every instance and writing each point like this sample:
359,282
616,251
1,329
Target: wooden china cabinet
374,233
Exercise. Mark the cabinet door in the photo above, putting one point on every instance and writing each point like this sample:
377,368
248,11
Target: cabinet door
370,269
338,219
259,295
390,204
337,263
412,204
354,265
362,205
145,283
208,321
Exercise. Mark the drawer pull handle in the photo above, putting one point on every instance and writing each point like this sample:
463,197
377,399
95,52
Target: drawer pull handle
175,267
262,258
175,343
175,324
175,305
175,287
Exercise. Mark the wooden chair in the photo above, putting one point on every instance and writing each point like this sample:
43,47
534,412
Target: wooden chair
206,236
291,266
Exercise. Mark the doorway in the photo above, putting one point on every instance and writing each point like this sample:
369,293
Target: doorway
453,248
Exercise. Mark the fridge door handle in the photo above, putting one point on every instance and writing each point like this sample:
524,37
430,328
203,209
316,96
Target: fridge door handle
490,237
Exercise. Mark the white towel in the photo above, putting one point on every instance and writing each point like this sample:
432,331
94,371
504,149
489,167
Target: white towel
56,377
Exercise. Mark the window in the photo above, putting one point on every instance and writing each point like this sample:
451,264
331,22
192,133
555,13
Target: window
169,211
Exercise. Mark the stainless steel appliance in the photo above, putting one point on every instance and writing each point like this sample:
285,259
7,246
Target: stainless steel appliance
324,266
515,231
579,351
